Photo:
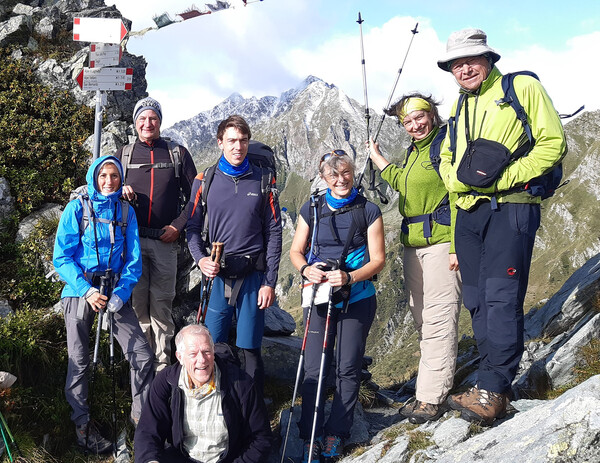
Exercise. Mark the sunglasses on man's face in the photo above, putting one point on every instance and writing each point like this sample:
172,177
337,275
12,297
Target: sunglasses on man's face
326,156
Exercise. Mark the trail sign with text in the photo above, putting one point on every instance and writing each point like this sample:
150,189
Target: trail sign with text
104,79
105,54
106,30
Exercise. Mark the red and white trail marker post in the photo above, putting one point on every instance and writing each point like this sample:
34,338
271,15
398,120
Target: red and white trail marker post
105,53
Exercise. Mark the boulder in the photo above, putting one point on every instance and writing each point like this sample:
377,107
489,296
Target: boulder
21,9
45,28
562,365
7,202
571,303
563,429
48,211
15,31
278,322
5,309
569,319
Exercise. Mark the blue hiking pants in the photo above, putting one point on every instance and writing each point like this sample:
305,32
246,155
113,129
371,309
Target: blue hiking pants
250,321
494,250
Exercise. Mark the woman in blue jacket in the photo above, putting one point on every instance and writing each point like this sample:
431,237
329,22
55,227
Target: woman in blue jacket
97,237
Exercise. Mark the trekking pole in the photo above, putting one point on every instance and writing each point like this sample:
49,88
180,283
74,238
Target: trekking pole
389,101
368,163
334,266
6,444
300,366
111,324
215,254
106,289
6,431
92,380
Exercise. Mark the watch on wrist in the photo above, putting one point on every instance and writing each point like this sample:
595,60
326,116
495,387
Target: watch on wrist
302,269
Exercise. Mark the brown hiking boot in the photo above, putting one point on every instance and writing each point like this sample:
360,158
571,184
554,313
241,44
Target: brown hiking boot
464,399
423,412
408,407
488,407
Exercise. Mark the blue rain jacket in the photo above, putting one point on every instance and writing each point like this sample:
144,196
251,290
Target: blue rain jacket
75,254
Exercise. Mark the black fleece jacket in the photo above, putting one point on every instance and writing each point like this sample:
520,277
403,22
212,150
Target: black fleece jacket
244,410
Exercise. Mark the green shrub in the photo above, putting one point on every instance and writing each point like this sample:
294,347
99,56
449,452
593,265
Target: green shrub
41,136
33,347
22,269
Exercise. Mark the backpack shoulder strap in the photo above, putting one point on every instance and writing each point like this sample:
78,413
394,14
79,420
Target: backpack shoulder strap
124,222
435,147
267,186
409,150
198,197
510,98
207,178
84,199
124,215
359,222
126,158
453,125
175,154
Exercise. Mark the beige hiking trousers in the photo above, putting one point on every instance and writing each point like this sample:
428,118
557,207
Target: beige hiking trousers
434,298
152,297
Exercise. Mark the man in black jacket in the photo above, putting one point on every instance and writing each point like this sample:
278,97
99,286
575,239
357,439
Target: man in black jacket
203,409
158,179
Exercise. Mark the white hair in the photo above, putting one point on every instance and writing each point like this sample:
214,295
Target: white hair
192,330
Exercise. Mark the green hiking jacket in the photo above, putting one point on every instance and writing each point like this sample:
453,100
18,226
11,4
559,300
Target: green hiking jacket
499,123
421,191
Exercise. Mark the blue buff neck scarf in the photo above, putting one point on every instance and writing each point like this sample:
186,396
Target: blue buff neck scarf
339,203
231,170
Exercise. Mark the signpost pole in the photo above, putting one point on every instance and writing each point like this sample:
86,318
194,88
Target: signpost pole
98,123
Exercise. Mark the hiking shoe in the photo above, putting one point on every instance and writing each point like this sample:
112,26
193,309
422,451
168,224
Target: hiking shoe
408,407
95,442
464,399
332,448
313,456
423,412
488,407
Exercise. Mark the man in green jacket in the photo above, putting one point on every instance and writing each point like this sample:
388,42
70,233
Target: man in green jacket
497,219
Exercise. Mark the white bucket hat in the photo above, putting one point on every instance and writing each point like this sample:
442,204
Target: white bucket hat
463,43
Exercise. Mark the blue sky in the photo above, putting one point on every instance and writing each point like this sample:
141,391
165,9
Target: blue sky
269,47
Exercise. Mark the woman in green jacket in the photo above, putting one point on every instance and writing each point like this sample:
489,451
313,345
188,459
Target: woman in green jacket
430,265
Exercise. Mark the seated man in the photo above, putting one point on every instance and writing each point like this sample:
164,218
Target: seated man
203,409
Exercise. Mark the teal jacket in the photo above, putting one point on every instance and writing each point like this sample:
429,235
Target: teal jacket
420,190
499,123
76,254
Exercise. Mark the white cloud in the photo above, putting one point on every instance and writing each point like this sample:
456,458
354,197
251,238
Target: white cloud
271,46
570,75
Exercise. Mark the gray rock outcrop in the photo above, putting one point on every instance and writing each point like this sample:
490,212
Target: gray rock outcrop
570,320
5,308
7,202
48,211
565,429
